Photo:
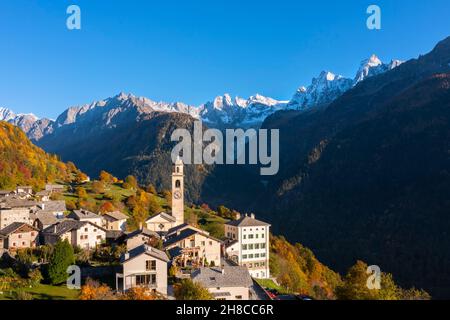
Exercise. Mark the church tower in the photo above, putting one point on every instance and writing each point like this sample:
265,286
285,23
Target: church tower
178,192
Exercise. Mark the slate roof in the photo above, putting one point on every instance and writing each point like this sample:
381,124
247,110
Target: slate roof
114,234
164,215
67,225
185,233
83,214
247,221
145,249
46,218
117,215
183,226
6,231
44,193
53,206
143,231
232,276
19,203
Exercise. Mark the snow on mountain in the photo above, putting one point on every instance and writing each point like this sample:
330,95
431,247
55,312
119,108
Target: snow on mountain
222,112
226,112
327,87
323,89
6,114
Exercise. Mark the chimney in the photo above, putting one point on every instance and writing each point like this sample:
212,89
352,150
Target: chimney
127,256
223,270
238,216
252,216
141,226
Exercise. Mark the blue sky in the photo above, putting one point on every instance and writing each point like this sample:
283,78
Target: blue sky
193,50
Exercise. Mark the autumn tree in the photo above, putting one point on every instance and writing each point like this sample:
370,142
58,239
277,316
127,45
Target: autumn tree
80,177
98,187
107,207
93,290
168,197
187,289
151,189
106,177
81,193
130,183
138,293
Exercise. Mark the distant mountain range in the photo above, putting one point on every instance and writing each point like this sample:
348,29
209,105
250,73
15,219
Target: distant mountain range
222,112
364,162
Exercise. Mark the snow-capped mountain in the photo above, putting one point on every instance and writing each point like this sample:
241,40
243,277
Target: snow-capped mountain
327,87
323,90
225,112
24,121
222,112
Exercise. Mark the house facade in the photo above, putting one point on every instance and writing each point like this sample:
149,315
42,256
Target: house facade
115,221
143,266
12,215
19,235
86,215
226,283
83,234
248,245
162,222
139,237
193,247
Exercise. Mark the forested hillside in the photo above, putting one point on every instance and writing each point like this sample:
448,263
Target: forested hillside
22,163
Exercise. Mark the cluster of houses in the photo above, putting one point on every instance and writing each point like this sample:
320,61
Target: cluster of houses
225,268
28,220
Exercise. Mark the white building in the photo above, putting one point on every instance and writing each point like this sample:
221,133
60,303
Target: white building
248,245
86,215
143,266
227,283
83,234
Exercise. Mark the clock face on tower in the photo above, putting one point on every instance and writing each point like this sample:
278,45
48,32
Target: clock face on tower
177,195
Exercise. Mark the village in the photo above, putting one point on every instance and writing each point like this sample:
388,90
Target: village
228,268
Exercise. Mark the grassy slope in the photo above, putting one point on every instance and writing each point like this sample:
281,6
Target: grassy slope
46,292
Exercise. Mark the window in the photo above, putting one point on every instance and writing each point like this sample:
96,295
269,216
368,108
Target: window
145,279
210,243
250,236
263,255
262,235
177,184
23,243
244,256
99,237
245,237
20,236
203,243
250,256
150,265
250,247
238,297
256,255
86,229
32,234
263,245
244,247
257,246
